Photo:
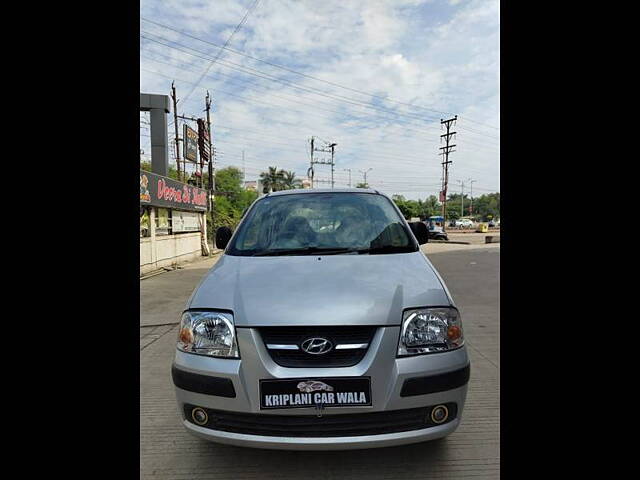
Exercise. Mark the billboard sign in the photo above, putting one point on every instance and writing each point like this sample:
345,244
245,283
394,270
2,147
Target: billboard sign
165,192
190,144
203,142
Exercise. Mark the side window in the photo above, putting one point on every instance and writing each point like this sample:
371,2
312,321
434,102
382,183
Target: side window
163,221
144,222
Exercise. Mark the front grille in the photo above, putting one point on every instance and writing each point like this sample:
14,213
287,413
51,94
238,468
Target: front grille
341,425
338,335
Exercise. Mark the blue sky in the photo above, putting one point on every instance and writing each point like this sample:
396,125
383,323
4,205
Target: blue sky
422,60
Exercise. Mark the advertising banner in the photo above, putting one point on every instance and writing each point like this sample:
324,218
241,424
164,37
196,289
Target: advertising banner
165,192
203,142
185,222
190,144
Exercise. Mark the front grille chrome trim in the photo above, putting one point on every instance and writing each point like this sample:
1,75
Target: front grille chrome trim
351,346
273,346
344,346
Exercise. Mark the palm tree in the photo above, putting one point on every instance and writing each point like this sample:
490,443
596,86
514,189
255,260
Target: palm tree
289,180
271,180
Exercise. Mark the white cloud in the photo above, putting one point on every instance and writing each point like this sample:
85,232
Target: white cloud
441,55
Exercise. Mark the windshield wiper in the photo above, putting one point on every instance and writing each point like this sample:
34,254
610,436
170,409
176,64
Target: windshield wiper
386,249
304,251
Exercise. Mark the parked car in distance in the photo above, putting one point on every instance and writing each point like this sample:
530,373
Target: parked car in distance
309,338
464,223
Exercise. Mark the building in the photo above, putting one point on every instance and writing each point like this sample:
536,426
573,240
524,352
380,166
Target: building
252,185
172,214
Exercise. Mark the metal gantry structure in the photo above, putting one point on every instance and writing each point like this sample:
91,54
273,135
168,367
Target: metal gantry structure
329,147
364,174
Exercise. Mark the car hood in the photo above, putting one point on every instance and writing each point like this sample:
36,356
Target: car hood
320,290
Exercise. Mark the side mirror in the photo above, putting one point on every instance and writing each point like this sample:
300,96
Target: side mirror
420,231
223,235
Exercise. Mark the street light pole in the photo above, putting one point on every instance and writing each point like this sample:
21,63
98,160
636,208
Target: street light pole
348,170
471,194
461,198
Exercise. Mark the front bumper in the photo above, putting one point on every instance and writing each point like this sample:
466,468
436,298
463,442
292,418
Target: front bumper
238,380
325,443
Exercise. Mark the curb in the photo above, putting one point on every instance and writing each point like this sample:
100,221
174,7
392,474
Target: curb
452,242
180,266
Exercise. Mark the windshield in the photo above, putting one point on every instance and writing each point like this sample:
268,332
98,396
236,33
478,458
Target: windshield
322,223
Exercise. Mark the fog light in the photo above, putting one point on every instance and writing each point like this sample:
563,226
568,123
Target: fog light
439,414
199,416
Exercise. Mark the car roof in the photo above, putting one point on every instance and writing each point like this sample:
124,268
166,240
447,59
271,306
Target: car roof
323,190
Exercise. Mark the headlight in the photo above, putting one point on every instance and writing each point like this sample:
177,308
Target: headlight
208,333
429,330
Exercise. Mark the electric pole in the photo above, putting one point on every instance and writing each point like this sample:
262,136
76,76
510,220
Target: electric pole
310,169
333,163
348,170
175,124
207,102
446,150
461,198
364,173
329,148
471,195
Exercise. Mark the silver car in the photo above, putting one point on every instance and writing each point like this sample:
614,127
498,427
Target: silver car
323,326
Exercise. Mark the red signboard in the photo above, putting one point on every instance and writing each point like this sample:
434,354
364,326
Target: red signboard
166,192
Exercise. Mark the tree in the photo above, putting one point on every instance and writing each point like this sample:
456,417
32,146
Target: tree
409,208
173,172
233,198
362,185
272,180
431,207
289,180
487,205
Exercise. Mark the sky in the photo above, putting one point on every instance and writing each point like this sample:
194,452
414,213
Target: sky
373,76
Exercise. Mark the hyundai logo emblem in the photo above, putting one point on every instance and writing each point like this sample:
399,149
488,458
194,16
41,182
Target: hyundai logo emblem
316,345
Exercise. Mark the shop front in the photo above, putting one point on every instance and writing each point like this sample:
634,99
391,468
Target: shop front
172,222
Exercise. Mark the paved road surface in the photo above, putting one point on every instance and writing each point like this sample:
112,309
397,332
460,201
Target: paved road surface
167,451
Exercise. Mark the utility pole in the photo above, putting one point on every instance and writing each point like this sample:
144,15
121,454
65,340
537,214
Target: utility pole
175,124
333,151
461,198
329,148
471,195
207,102
446,150
348,170
364,173
310,169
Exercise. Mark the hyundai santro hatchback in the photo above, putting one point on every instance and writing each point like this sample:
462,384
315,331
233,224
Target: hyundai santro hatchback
322,326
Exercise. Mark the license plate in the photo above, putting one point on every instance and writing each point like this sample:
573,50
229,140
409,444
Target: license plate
315,392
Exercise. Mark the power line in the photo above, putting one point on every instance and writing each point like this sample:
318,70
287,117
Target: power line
422,129
388,99
261,74
246,99
244,19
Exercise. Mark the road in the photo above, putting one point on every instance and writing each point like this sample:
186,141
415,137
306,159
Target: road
167,451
